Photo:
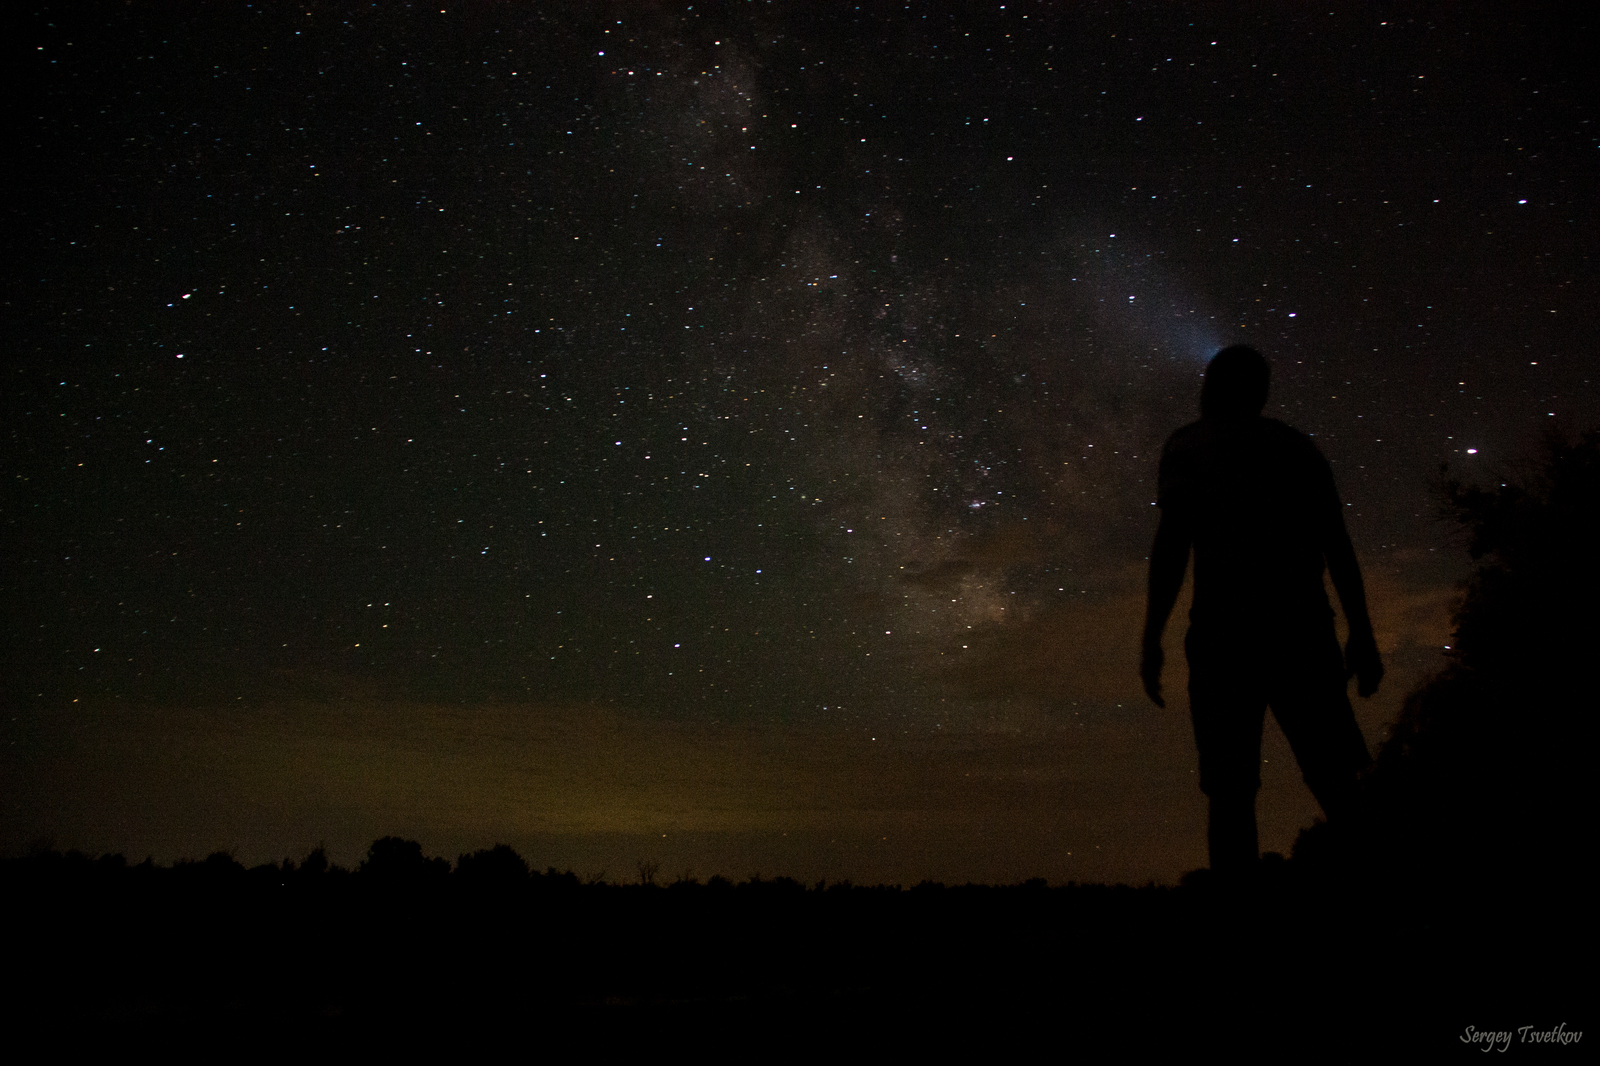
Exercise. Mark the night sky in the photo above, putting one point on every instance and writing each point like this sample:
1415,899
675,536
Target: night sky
725,435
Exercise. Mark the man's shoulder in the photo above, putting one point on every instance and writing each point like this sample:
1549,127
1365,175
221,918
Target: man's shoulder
1184,460
1203,455
1185,433
1282,431
1257,432
1293,443
1196,436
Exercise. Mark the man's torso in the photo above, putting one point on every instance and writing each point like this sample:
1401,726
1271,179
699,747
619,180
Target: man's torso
1259,499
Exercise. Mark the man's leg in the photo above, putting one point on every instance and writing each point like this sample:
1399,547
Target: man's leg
1227,704
1311,704
1338,795
1232,835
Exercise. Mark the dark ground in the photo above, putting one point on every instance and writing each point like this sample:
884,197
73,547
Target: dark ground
330,960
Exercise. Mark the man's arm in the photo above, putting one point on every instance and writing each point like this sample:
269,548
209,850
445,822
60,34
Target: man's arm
1361,652
1169,558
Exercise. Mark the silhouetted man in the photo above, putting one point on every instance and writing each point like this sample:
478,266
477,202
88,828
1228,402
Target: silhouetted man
1256,501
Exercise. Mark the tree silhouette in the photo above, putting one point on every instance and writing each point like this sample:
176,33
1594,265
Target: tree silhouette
497,869
396,861
1488,757
316,863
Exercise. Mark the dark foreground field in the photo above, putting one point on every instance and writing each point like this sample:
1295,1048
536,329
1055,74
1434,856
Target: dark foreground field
311,959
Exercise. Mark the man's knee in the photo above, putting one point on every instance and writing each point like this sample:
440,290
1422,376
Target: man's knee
1227,734
1231,775
1322,731
1230,787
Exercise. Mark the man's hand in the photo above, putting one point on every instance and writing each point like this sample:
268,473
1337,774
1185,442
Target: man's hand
1169,558
1362,663
1150,673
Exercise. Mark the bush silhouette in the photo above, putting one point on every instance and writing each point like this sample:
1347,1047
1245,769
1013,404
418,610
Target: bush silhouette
498,868
1486,756
396,861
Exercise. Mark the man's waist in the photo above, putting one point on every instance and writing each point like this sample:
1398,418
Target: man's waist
1265,609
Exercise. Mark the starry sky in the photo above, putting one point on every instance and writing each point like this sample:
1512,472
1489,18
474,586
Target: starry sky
725,435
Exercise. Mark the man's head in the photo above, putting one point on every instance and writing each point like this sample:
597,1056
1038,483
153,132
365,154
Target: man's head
1235,384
